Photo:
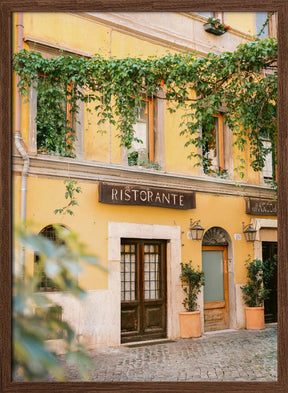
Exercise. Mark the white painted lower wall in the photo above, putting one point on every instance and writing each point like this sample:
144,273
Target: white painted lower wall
240,308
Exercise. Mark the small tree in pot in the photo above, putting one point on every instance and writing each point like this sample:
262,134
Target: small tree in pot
192,280
254,291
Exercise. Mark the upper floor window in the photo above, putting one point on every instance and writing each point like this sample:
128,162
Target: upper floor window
264,27
46,135
213,149
210,14
269,169
54,121
143,148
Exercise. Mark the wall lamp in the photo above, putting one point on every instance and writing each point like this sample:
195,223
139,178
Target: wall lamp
249,232
196,230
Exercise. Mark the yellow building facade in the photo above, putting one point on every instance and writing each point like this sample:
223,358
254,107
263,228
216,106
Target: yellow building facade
136,218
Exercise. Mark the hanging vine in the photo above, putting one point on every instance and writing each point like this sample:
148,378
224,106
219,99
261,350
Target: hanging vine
244,82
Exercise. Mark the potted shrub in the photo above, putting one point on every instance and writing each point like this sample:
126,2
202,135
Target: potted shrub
192,280
254,292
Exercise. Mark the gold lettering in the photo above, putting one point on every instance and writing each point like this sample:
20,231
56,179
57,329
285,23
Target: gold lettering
127,195
150,196
143,199
157,197
135,194
174,198
114,194
167,198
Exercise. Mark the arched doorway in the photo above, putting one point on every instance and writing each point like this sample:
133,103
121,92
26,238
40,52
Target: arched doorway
216,289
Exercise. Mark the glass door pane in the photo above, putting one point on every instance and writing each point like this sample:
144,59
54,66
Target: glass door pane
152,265
212,265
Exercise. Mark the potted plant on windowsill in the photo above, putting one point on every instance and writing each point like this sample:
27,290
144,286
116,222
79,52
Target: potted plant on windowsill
192,280
254,292
214,26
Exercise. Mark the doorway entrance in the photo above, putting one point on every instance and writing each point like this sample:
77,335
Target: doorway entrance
143,290
269,253
215,244
216,292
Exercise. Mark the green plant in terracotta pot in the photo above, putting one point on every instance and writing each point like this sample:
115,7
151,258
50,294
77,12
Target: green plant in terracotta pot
254,291
192,280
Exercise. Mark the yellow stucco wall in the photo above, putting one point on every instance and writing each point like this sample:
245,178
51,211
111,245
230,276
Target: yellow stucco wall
242,21
64,29
90,221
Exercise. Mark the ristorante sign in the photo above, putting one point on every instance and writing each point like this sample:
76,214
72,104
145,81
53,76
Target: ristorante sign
261,207
148,196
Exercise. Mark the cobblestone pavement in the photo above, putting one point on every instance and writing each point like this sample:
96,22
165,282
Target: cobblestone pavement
233,355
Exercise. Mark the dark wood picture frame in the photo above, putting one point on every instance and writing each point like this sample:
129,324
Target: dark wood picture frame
7,7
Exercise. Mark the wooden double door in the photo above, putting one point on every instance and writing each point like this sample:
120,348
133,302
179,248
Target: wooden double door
143,290
216,290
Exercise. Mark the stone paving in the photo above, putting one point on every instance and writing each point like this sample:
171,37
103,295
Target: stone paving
233,355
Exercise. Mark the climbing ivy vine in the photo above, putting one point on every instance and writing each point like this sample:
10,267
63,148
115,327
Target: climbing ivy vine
243,82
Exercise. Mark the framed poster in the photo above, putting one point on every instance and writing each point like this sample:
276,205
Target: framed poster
137,224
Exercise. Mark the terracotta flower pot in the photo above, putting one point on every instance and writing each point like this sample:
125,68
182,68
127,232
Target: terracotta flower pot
190,324
255,318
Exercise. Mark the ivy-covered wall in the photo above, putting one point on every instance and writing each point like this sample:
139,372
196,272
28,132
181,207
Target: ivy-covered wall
101,142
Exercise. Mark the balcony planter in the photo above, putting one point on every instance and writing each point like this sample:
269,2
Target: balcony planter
214,26
210,28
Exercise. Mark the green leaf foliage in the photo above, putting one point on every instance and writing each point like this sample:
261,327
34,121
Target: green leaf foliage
71,189
192,280
36,318
258,273
244,82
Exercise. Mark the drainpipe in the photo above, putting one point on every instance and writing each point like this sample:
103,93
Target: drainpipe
18,144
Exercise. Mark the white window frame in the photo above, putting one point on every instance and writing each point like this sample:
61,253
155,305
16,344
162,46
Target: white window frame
158,133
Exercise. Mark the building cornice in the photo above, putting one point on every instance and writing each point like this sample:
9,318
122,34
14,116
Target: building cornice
62,168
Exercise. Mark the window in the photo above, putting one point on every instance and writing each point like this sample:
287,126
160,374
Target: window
270,30
54,123
268,167
213,149
45,283
205,14
143,149
269,171
40,127
216,15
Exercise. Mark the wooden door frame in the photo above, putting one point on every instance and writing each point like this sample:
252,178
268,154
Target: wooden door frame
139,244
225,280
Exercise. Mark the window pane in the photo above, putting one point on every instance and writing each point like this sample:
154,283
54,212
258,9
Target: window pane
211,148
205,14
261,18
268,167
212,265
139,152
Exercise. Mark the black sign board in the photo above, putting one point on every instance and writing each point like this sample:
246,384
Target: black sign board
122,194
261,207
